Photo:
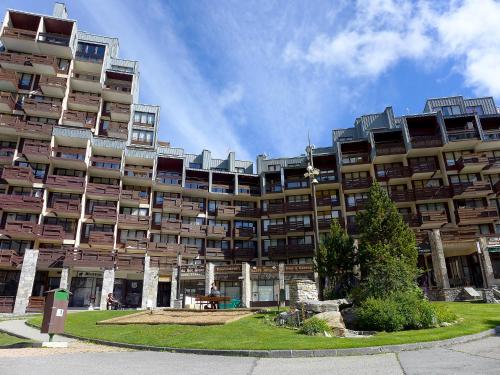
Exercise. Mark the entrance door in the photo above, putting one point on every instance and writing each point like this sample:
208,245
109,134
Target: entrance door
86,291
163,297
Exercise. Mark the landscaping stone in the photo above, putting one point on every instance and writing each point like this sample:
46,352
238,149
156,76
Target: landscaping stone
350,318
334,321
321,306
302,290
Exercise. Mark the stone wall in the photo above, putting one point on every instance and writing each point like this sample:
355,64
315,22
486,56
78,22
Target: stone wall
302,290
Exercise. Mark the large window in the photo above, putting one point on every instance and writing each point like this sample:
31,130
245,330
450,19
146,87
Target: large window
451,110
144,118
90,52
142,136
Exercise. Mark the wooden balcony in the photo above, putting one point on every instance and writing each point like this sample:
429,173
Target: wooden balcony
119,112
216,253
7,102
105,167
194,230
134,197
227,212
84,102
26,230
295,184
15,33
51,258
191,208
172,205
166,249
298,206
472,163
277,230
277,252
116,130
355,158
456,135
53,86
103,190
133,221
165,263
65,183
7,304
84,258
274,209
357,183
477,215
134,244
246,233
413,220
10,258
298,226
7,155
401,196
434,192
42,108
39,64
18,175
69,157
244,255
426,168
171,227
394,173
215,231
433,219
87,82
8,80
390,149
36,151
78,119
249,212
65,207
138,173
426,141
101,214
129,262
460,234
471,189
116,90
327,178
20,203
358,204
100,239
327,202
30,129
300,250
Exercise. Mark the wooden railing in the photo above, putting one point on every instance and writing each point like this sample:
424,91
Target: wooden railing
7,304
33,105
86,100
129,262
467,215
52,81
134,195
142,221
103,190
12,32
17,173
357,183
117,130
394,172
10,258
65,182
425,141
423,167
101,238
104,212
244,232
216,231
433,192
35,304
390,148
36,148
89,258
79,117
12,201
472,188
433,218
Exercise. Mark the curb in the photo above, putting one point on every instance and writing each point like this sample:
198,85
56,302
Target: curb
303,353
18,345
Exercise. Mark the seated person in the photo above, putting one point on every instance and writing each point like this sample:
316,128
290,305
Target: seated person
112,303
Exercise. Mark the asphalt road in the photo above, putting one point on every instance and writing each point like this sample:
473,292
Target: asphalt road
477,357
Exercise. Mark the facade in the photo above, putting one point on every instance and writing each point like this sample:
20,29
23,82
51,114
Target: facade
91,200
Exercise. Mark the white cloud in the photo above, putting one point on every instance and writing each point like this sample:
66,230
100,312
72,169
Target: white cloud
230,95
384,32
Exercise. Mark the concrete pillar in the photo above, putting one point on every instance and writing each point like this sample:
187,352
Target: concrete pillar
173,287
209,277
281,279
150,284
246,285
65,278
108,283
438,259
486,263
26,280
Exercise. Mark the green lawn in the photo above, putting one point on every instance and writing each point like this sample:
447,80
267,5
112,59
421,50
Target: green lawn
6,340
254,333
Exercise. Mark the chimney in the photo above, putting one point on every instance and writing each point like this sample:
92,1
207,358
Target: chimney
60,11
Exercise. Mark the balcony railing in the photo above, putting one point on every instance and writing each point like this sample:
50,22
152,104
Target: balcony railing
103,190
89,258
355,158
426,141
390,149
36,148
103,213
25,127
129,262
466,215
459,234
57,39
357,204
10,258
48,108
462,135
244,232
116,130
12,32
20,202
471,188
51,81
491,135
423,167
137,172
433,219
98,238
190,208
395,172
277,229
15,173
9,76
65,182
357,183
78,118
105,163
298,206
52,258
171,226
34,231
119,108
135,195
60,205
167,249
402,195
89,77
297,184
88,101
433,192
175,180
136,220
216,231
7,100
194,229
274,188
479,161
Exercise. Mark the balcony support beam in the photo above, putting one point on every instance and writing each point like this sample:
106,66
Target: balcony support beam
486,264
108,283
150,284
438,259
26,280
246,285
65,281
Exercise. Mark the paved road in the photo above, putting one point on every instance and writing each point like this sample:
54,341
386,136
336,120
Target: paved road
478,357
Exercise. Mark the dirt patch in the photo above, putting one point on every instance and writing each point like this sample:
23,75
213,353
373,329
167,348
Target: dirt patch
186,317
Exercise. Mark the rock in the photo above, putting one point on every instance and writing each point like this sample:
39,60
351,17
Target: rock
349,317
321,306
334,321
445,324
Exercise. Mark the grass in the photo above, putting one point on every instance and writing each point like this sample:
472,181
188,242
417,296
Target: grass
6,340
254,333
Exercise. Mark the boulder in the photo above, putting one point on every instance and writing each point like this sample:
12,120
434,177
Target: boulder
334,321
321,306
349,317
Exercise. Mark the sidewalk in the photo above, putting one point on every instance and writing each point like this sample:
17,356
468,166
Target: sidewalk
17,327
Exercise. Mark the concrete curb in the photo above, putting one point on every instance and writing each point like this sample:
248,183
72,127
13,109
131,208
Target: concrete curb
18,345
305,353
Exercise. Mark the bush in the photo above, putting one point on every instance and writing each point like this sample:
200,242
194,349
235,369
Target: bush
397,312
443,314
314,326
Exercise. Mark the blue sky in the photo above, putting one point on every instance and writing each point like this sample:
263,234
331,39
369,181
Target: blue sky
255,76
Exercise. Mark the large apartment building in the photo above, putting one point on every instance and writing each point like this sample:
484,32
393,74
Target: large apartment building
92,201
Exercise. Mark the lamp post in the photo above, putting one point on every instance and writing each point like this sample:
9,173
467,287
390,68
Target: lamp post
312,173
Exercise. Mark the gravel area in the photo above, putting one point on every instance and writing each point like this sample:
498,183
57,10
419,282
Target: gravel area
74,347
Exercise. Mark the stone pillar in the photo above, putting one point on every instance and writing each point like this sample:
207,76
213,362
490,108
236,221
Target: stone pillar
150,284
281,279
438,259
302,290
108,283
486,263
65,278
26,280
209,277
173,287
246,285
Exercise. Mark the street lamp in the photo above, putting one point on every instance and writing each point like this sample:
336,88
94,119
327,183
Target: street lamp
312,173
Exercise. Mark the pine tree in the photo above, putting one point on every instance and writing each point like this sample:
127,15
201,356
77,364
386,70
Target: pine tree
387,248
335,261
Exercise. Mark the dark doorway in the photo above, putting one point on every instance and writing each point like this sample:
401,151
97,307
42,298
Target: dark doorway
163,297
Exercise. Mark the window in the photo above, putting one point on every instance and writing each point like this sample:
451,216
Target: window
91,52
104,180
239,170
195,165
25,81
69,225
164,238
273,167
135,211
451,110
39,170
475,109
142,136
219,223
144,118
460,178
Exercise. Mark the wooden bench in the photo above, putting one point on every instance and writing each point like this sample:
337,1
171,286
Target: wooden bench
36,304
209,300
